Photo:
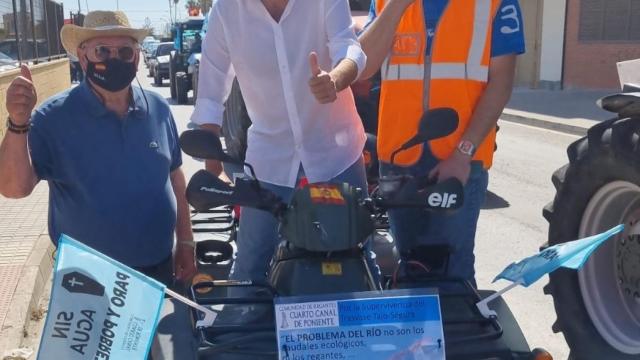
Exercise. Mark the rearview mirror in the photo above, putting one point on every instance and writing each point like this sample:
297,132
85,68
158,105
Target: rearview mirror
204,144
434,124
437,123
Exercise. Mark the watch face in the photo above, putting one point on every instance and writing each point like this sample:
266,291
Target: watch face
466,147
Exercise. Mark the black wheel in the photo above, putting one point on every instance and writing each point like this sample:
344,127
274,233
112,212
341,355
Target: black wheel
598,307
182,88
172,77
157,79
235,124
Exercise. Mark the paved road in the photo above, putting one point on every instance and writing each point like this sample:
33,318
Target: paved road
511,227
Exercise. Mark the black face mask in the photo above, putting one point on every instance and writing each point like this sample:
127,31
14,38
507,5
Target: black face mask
112,75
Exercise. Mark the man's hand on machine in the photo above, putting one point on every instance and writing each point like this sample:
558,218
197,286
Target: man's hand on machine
457,166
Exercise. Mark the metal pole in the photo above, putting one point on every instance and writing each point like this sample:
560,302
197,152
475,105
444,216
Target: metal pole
59,15
46,27
33,31
15,28
117,4
79,7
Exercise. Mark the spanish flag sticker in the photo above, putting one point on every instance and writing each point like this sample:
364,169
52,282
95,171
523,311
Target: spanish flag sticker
331,269
326,194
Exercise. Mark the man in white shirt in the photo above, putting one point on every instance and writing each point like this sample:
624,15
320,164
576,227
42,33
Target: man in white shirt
304,118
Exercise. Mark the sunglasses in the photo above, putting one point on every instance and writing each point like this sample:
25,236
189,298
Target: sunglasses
124,53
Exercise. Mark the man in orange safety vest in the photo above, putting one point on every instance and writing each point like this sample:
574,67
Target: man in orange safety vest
459,54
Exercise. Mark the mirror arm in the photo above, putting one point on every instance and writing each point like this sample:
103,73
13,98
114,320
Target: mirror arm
393,156
253,173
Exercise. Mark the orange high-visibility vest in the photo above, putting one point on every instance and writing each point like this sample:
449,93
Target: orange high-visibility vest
454,76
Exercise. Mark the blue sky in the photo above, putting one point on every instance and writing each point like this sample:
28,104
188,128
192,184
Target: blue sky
137,10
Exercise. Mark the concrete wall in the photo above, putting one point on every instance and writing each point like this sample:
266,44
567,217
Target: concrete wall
593,64
50,78
552,44
528,65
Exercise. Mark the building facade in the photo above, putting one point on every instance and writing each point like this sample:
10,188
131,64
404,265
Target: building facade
576,44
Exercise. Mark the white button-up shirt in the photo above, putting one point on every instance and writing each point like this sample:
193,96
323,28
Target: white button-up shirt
271,62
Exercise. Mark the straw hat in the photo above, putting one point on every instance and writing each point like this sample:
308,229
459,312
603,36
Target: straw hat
96,24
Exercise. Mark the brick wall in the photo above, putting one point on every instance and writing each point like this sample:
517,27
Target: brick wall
592,64
50,78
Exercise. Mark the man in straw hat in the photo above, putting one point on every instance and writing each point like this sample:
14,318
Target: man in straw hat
108,150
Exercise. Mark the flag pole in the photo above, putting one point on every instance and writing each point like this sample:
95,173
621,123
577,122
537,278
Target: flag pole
209,315
483,305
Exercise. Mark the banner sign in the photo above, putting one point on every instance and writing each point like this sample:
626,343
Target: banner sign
399,324
99,308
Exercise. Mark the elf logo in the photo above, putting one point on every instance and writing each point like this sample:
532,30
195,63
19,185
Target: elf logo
444,200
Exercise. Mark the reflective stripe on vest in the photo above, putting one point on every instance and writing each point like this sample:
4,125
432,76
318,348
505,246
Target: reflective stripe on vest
472,70
439,71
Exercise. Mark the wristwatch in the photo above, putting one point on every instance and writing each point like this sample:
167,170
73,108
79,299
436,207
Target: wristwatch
466,147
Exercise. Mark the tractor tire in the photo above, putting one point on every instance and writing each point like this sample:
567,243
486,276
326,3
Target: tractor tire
235,124
598,307
182,88
172,78
157,79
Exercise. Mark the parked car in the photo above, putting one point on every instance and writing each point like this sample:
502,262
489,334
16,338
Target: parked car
7,63
9,47
148,52
147,41
159,62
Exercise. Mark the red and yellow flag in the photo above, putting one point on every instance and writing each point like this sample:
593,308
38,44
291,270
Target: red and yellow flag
326,194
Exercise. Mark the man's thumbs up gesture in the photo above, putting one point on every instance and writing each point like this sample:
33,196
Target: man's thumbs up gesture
322,85
21,97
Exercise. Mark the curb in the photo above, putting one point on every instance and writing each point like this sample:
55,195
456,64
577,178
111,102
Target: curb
545,123
35,273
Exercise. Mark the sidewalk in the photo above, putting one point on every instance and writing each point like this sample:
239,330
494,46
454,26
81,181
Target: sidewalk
570,111
25,263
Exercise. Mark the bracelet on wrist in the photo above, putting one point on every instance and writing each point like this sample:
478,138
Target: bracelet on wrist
17,129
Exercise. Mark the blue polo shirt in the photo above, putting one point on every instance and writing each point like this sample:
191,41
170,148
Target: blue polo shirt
109,184
508,28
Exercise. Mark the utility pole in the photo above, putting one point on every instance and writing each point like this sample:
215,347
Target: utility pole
79,9
117,4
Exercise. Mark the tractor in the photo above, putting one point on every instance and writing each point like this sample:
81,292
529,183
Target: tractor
598,307
187,42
